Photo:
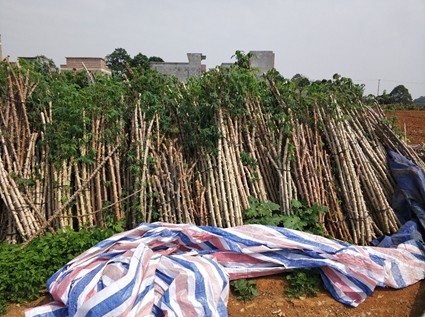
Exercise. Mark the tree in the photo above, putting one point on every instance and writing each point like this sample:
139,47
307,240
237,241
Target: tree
401,95
121,63
42,63
419,101
118,61
242,59
155,59
140,61
385,98
300,80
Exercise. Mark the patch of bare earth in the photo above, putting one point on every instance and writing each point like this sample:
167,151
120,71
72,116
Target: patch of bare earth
272,302
411,123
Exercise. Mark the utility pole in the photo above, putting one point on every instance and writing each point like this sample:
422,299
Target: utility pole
1,53
379,82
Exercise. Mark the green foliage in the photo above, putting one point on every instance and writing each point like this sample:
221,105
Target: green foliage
242,59
420,101
222,88
244,289
3,306
41,64
302,283
25,272
155,59
399,95
301,81
123,65
118,60
392,122
268,213
140,61
248,160
385,99
265,213
305,218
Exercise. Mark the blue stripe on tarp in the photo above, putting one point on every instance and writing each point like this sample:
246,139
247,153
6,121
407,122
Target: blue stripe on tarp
104,244
220,270
164,277
231,239
163,233
109,255
292,235
411,188
115,300
157,311
222,309
143,293
419,256
79,287
357,282
211,246
200,292
396,274
331,289
377,259
54,277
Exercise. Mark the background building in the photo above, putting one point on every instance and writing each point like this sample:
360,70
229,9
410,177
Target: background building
183,71
93,64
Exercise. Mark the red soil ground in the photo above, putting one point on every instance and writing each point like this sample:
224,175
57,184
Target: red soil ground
411,123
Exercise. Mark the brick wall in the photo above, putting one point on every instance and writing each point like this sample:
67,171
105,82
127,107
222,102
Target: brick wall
95,64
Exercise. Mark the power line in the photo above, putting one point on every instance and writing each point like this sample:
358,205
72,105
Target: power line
391,80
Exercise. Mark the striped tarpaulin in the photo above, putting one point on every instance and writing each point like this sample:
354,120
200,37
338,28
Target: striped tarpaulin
165,269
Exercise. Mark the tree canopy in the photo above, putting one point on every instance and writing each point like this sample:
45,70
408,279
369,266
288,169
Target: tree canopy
301,81
419,101
120,62
399,94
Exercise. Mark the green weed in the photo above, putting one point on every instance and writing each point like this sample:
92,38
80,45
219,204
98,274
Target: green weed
302,283
244,289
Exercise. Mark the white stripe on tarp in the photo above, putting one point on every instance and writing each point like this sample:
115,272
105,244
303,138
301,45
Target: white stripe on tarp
162,279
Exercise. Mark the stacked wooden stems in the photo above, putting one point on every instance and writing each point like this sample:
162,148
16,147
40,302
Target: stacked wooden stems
334,154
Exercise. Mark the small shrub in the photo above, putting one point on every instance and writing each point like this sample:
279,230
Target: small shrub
25,272
265,213
305,218
302,283
244,289
268,213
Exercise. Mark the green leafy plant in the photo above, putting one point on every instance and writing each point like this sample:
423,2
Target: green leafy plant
265,213
305,218
302,283
25,272
268,213
244,289
393,123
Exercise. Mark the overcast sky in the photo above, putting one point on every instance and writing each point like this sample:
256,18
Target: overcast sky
365,40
